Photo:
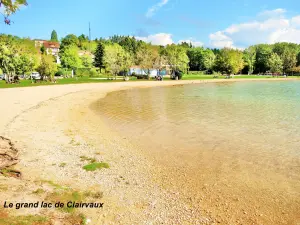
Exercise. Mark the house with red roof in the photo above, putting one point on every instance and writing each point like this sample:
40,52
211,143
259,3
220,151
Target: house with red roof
51,47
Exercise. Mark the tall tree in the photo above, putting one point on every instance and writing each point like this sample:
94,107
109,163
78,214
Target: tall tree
289,60
7,59
25,64
250,58
69,40
69,57
275,63
54,36
146,57
208,59
196,58
48,67
82,39
263,52
116,59
229,61
298,59
99,56
177,57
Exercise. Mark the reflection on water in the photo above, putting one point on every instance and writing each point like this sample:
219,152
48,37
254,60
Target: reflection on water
240,140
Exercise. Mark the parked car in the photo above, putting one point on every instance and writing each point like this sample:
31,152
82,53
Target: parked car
35,76
2,77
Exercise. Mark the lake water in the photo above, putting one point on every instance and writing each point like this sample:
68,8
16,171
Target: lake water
233,149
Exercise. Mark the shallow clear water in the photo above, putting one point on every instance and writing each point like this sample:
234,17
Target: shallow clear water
238,139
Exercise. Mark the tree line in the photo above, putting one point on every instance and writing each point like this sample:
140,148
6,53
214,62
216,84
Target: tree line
116,54
257,59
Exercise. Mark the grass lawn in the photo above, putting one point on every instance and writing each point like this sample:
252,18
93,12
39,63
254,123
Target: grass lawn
27,83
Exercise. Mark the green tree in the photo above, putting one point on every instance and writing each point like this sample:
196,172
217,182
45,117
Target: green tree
250,59
116,59
83,38
47,67
229,61
17,56
43,50
69,40
288,54
99,56
177,57
208,59
298,59
289,60
7,59
275,63
146,57
69,57
186,44
263,52
54,36
196,58
24,64
86,61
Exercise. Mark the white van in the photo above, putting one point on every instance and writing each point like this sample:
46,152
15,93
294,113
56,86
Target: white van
35,76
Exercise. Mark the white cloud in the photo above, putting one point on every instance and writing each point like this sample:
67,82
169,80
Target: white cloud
272,13
275,27
158,39
191,40
285,35
151,11
220,40
296,21
166,39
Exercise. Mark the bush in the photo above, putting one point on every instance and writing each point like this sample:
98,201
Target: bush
178,74
94,166
59,73
91,72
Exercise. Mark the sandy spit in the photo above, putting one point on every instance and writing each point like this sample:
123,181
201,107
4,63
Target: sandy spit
53,126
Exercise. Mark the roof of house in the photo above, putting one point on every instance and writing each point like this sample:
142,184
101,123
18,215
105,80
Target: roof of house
51,44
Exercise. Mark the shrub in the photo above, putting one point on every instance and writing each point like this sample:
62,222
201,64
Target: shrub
178,74
95,166
91,72
59,73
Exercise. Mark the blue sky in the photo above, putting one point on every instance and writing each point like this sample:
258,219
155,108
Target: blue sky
214,23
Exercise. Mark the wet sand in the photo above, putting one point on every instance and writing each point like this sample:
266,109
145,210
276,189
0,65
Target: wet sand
52,125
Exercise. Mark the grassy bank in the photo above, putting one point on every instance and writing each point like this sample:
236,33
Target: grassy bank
27,83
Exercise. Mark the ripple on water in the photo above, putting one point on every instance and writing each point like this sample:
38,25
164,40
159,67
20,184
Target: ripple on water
243,137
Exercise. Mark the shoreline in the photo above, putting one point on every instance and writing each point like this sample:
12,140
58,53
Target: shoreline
46,136
18,100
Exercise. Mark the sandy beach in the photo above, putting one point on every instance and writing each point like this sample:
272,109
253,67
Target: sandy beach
56,132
